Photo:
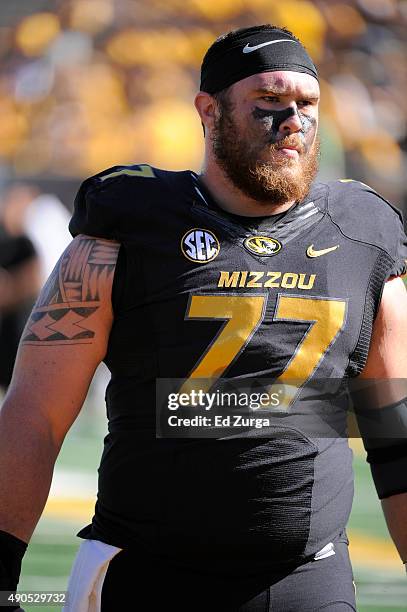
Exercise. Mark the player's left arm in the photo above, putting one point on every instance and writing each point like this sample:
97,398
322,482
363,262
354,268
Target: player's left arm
387,364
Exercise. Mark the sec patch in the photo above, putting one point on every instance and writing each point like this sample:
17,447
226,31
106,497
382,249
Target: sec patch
200,245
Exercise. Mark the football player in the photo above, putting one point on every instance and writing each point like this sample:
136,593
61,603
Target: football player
250,270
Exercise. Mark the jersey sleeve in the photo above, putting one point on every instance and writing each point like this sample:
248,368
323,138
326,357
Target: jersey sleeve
92,215
364,215
113,202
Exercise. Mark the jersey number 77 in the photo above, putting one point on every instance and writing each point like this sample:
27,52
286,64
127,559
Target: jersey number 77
243,315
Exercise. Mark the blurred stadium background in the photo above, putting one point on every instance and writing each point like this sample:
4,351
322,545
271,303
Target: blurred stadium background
85,84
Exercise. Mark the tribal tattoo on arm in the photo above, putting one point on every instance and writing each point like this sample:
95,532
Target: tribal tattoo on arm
72,294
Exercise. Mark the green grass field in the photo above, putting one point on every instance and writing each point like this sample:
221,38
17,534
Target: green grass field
380,577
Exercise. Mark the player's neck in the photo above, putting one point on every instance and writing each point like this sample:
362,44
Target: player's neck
232,199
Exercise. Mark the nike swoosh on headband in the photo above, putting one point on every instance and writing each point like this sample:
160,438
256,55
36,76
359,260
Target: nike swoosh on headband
248,49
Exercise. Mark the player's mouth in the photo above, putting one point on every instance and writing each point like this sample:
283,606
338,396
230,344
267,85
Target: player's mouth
288,151
290,147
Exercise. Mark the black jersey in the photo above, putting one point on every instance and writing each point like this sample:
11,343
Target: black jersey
299,292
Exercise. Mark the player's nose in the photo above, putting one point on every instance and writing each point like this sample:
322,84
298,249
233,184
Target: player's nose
291,124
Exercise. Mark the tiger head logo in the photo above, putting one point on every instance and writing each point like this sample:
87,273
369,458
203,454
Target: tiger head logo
262,245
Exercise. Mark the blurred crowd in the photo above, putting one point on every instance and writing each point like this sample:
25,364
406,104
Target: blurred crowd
86,84
33,233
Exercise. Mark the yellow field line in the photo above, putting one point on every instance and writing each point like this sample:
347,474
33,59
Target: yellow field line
70,508
356,445
376,553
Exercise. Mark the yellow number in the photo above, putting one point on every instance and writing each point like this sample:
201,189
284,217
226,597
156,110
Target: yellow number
144,170
242,315
327,318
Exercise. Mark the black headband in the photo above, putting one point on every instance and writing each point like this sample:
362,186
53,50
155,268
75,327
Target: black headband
247,53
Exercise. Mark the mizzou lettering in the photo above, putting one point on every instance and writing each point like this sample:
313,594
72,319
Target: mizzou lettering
251,279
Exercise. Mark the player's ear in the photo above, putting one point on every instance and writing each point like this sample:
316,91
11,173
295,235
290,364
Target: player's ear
206,106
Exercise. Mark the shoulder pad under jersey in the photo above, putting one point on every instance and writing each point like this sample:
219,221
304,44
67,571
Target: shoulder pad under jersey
113,202
365,216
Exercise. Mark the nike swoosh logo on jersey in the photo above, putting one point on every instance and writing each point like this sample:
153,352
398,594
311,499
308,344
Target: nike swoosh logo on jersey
248,49
313,253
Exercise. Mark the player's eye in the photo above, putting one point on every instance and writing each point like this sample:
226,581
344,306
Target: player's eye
303,103
271,98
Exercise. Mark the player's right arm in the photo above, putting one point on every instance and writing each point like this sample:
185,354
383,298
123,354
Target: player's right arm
64,340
